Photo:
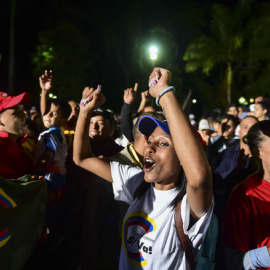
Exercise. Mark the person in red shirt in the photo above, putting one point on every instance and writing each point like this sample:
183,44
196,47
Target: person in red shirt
15,161
247,214
23,197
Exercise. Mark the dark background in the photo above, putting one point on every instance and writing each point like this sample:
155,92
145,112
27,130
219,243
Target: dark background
107,43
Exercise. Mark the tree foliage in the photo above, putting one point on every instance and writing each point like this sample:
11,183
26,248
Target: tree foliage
105,42
222,47
65,51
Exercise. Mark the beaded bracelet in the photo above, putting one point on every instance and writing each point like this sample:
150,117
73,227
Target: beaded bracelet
170,88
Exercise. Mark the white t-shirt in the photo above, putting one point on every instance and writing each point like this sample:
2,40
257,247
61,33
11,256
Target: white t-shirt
149,235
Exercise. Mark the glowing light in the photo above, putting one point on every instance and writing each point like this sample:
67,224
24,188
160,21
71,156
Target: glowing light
194,101
153,56
241,100
50,95
153,53
54,97
251,100
153,49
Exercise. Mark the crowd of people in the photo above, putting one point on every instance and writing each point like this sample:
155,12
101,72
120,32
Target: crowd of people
81,188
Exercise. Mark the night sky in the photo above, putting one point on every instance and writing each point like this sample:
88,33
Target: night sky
117,35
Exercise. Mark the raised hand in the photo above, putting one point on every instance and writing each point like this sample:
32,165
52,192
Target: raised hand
45,80
145,96
162,79
91,99
130,94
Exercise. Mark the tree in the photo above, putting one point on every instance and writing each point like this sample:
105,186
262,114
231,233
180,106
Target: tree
64,50
257,72
222,46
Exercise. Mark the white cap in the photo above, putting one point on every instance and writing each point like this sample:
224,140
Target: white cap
203,125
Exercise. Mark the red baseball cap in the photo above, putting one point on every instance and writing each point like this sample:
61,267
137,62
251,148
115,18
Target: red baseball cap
7,101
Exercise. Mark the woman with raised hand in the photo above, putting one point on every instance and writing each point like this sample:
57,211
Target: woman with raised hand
175,169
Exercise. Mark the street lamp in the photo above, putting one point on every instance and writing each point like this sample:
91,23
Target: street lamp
153,56
153,53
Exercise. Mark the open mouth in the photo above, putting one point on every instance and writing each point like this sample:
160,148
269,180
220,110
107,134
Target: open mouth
93,133
149,164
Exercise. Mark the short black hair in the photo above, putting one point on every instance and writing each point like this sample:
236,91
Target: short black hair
233,105
234,119
105,113
256,136
265,105
63,105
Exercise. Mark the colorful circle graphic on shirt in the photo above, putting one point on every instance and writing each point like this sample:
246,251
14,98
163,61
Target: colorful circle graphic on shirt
7,203
135,227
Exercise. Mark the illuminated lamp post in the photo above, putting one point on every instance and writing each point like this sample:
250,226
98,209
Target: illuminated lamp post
153,56
153,53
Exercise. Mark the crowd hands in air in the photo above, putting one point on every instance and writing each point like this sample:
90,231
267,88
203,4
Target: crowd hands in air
152,157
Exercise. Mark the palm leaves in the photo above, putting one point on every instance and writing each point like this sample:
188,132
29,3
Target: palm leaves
221,47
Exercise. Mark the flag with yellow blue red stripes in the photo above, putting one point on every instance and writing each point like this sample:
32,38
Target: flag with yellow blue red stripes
22,218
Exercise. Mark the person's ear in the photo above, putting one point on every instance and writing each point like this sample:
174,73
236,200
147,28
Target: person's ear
260,156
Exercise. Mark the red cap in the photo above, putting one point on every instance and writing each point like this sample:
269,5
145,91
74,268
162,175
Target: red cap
7,101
